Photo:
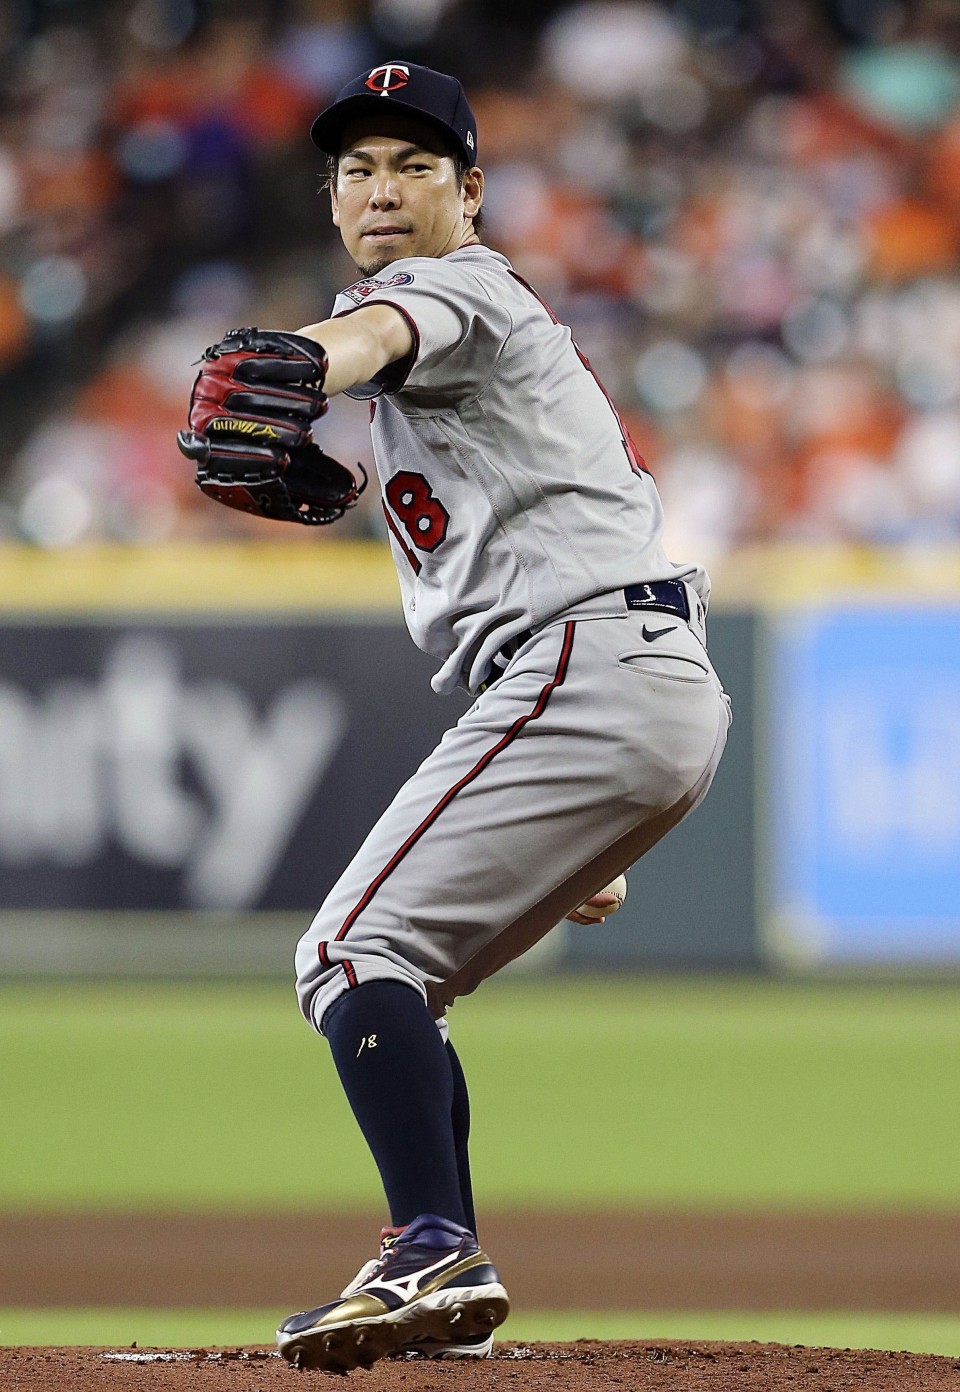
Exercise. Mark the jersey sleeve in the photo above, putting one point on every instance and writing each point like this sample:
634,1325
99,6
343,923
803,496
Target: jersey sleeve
458,327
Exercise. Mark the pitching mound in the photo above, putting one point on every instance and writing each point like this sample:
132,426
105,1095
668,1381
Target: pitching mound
585,1366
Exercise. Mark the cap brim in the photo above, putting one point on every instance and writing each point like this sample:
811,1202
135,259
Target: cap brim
328,128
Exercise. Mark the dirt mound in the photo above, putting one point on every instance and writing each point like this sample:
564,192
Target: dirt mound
585,1366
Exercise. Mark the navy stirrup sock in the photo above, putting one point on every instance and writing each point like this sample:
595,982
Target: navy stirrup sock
397,1076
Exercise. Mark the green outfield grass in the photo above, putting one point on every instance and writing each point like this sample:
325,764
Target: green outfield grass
675,1093
216,1328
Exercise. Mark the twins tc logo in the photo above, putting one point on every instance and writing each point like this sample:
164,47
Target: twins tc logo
359,292
388,78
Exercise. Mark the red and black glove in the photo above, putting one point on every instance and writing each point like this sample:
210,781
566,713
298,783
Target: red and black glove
255,397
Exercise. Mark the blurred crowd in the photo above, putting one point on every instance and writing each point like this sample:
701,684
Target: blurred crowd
748,211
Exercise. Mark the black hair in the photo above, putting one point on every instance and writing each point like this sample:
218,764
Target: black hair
461,167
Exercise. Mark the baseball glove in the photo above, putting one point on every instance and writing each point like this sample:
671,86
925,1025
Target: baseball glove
255,397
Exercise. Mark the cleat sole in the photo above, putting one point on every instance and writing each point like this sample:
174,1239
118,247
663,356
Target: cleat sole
440,1319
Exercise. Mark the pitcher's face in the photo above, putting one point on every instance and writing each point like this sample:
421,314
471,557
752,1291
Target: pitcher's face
396,193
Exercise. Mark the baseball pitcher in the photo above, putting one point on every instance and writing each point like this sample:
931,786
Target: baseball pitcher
526,532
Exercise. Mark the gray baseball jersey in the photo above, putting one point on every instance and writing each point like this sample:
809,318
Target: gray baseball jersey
511,489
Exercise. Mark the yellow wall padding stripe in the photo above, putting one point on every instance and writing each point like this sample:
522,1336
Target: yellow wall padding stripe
332,576
353,577
789,574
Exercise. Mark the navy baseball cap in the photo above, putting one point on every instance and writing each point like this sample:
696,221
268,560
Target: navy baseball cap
435,96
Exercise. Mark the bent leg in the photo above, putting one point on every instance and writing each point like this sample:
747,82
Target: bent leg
575,761
565,771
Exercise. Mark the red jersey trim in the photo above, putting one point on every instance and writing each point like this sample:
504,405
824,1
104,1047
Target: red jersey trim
634,458
539,298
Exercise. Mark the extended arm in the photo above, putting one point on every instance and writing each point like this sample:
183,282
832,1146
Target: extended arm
361,344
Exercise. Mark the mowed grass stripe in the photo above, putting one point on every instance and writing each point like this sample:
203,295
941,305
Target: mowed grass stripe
585,1094
936,1334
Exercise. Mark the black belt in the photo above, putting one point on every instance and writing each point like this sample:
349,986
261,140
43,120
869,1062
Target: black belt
668,596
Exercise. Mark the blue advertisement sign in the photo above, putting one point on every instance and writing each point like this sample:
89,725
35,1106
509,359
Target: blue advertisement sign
864,791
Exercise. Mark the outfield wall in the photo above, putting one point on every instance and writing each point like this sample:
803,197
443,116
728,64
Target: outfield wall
194,741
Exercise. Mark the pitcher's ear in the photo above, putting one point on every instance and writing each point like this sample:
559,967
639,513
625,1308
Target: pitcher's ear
473,191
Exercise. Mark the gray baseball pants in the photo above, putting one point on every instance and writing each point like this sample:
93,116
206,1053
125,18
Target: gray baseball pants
594,742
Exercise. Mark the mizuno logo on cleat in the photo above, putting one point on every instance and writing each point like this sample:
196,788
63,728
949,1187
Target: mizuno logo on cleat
651,634
406,1287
